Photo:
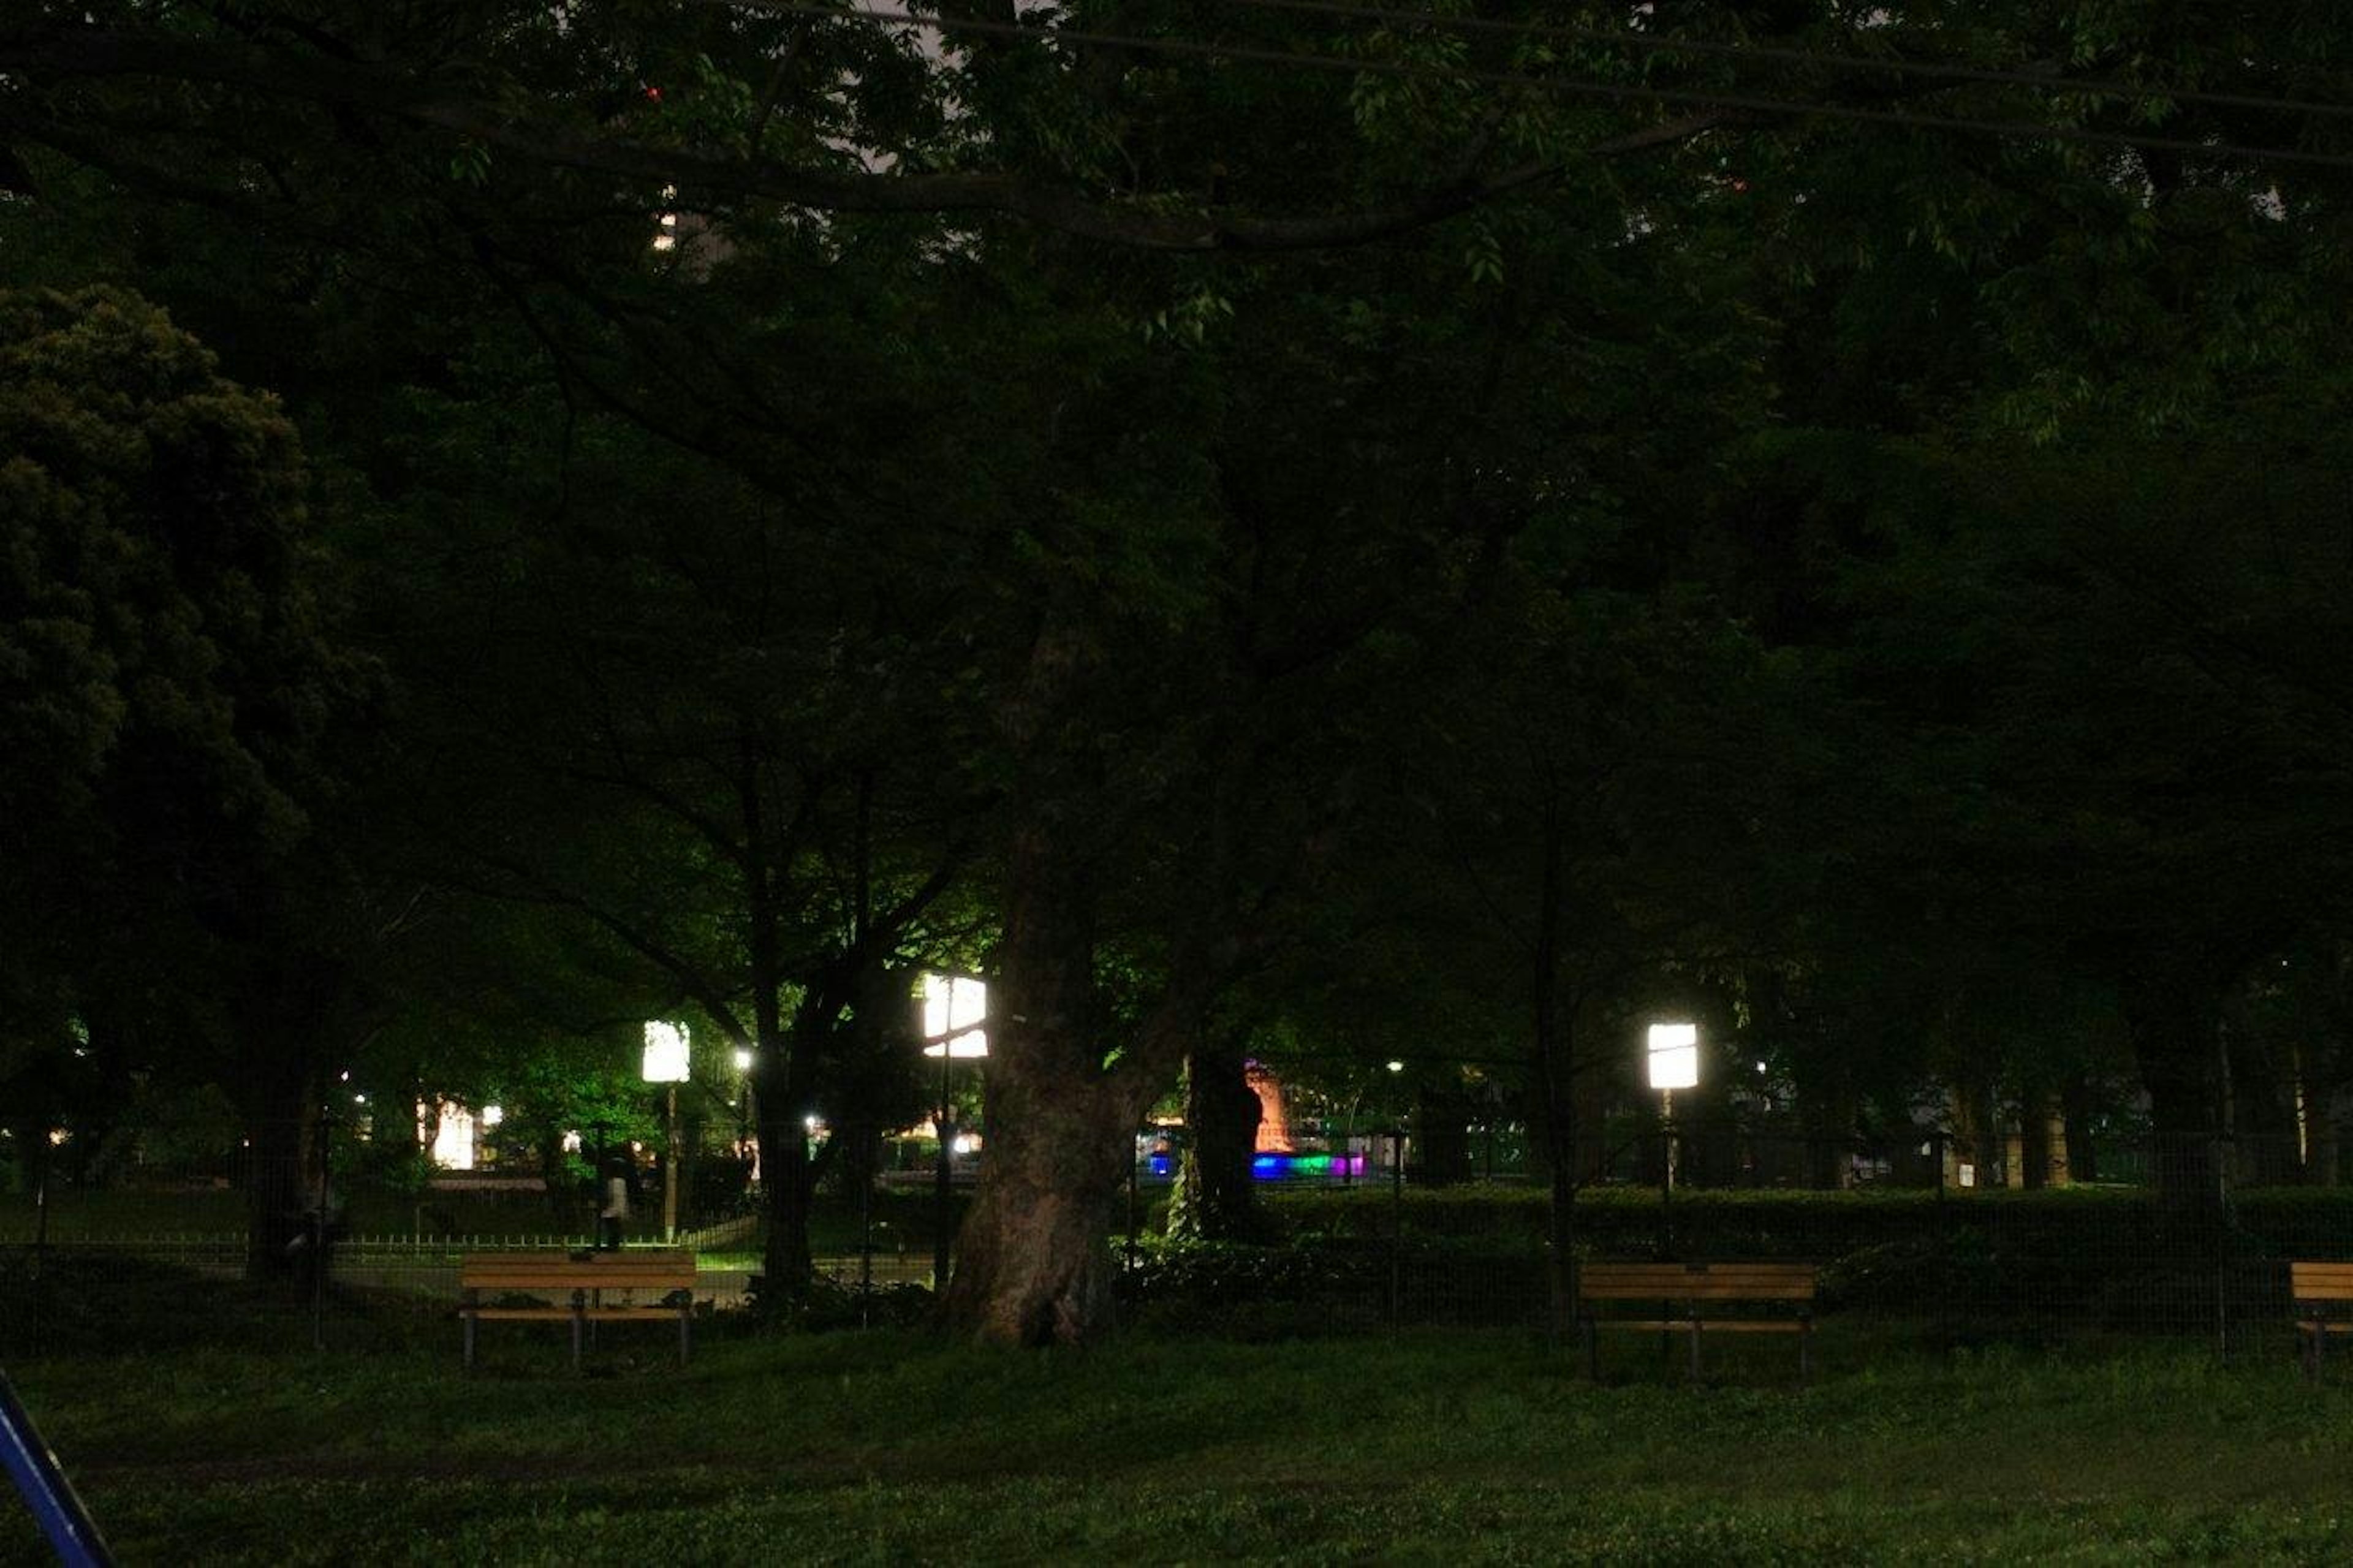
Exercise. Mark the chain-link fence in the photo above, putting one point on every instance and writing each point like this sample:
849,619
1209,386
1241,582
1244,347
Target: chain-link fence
1930,1238
310,1237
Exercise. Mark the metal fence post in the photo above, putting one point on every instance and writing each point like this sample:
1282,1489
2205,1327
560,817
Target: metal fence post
318,1261
1134,1204
2222,1153
40,1252
865,1236
1397,1226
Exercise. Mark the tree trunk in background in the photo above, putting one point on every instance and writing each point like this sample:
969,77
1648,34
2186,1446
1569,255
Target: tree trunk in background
2171,1019
281,1114
787,1178
2033,1139
2325,1118
1826,1111
1553,1130
1442,1142
2263,1113
2076,1109
1214,1199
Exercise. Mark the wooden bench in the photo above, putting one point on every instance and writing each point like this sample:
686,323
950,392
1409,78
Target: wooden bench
579,1279
1687,1292
2316,1286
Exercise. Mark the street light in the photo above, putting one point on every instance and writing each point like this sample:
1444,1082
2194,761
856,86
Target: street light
1674,1064
744,1059
666,1062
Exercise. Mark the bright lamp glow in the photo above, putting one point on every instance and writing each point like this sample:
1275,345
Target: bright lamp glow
743,1060
665,1057
955,1008
1675,1056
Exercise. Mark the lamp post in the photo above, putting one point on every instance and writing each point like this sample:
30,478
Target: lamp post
954,1008
744,1059
665,1062
1674,1064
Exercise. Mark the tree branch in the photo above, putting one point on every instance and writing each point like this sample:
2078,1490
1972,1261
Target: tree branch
51,53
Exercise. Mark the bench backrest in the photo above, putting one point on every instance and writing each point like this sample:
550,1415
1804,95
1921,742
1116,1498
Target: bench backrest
1696,1281
2321,1281
648,1269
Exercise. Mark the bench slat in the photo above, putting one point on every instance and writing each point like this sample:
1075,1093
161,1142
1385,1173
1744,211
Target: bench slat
1707,1325
663,1270
2321,1281
1683,1271
1696,1282
597,1261
563,1314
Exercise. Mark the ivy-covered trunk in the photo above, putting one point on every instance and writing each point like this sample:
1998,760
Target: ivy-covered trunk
1214,1200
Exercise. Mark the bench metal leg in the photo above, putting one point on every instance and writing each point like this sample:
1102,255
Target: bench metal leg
1805,1350
468,1318
1592,1350
579,1325
685,1329
1694,1347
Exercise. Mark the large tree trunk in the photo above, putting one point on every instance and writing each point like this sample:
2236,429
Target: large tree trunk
1032,1264
1214,1199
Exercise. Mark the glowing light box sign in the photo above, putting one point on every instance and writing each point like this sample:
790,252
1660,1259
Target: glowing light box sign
666,1053
1675,1056
955,1008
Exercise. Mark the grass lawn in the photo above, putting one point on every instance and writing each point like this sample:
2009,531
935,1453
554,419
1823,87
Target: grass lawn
1436,1448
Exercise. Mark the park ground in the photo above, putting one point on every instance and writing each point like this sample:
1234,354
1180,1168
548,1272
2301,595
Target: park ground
1443,1447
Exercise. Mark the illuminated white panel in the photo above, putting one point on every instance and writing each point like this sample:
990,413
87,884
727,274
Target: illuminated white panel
1675,1056
665,1057
955,1008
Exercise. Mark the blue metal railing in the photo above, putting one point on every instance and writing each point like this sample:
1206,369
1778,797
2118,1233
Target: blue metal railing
43,1482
